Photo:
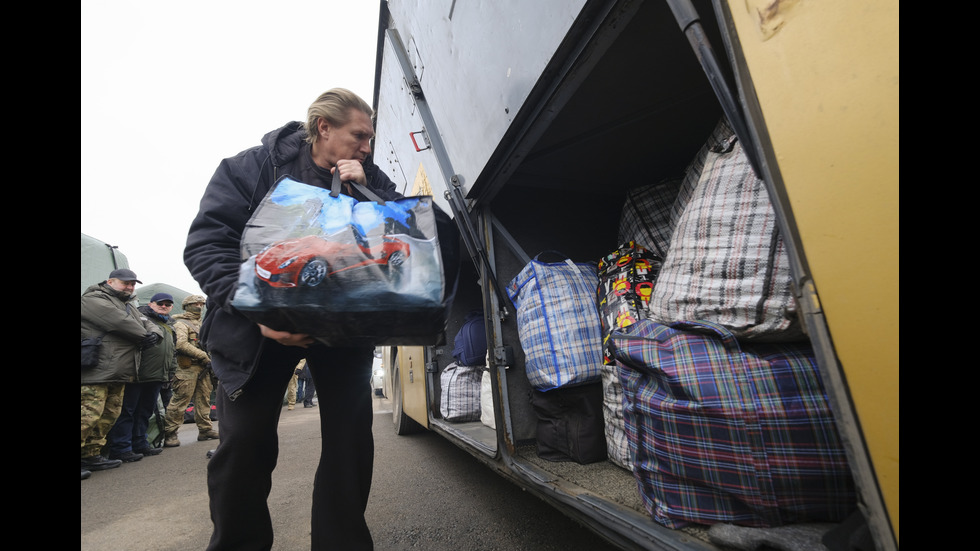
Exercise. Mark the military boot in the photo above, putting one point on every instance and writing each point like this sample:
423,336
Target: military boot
170,440
207,435
99,463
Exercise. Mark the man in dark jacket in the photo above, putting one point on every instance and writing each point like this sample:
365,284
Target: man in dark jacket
254,363
127,439
109,311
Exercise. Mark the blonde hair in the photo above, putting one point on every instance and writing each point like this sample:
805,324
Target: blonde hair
334,105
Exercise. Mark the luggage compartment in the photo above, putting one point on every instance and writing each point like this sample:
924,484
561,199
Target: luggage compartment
621,128
622,105
618,127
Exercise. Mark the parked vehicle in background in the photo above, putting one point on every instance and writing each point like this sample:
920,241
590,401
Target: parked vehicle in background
98,259
378,376
530,121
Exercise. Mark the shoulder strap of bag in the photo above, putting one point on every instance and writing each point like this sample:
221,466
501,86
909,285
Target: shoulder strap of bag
335,189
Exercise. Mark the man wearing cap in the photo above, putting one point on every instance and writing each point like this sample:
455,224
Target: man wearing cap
192,381
127,439
110,312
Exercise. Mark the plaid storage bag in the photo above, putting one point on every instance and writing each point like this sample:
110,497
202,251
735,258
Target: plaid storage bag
726,261
647,213
460,392
614,424
722,431
558,322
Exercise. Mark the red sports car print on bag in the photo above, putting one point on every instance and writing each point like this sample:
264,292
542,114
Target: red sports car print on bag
309,261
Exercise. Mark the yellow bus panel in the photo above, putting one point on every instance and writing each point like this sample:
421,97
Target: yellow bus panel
826,77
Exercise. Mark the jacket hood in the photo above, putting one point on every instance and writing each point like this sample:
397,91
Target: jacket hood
284,143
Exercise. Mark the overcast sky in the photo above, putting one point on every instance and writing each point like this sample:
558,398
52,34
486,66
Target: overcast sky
170,89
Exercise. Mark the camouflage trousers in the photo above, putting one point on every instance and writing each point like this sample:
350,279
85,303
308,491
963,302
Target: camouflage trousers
291,391
101,406
190,385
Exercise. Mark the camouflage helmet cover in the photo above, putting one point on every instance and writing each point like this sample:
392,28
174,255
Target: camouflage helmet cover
191,299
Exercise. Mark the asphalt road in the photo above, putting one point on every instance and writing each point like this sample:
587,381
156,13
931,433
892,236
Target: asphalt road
427,495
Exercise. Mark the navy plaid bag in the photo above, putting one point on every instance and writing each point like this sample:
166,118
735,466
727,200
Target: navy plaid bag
723,431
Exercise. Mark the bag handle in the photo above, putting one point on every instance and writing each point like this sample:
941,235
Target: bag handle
727,338
335,189
648,331
565,258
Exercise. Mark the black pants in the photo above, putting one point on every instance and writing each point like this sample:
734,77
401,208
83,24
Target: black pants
309,389
240,472
129,431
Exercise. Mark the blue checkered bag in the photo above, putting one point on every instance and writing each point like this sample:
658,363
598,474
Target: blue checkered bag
558,322
726,431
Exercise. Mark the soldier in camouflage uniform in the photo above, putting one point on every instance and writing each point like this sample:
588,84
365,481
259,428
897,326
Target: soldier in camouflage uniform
193,378
109,310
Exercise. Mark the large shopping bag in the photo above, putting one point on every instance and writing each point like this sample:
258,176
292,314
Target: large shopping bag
727,431
727,262
459,399
558,322
346,272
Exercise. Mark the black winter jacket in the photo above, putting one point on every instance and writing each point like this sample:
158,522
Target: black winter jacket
213,250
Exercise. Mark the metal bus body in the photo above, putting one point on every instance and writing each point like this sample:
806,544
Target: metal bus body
505,111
